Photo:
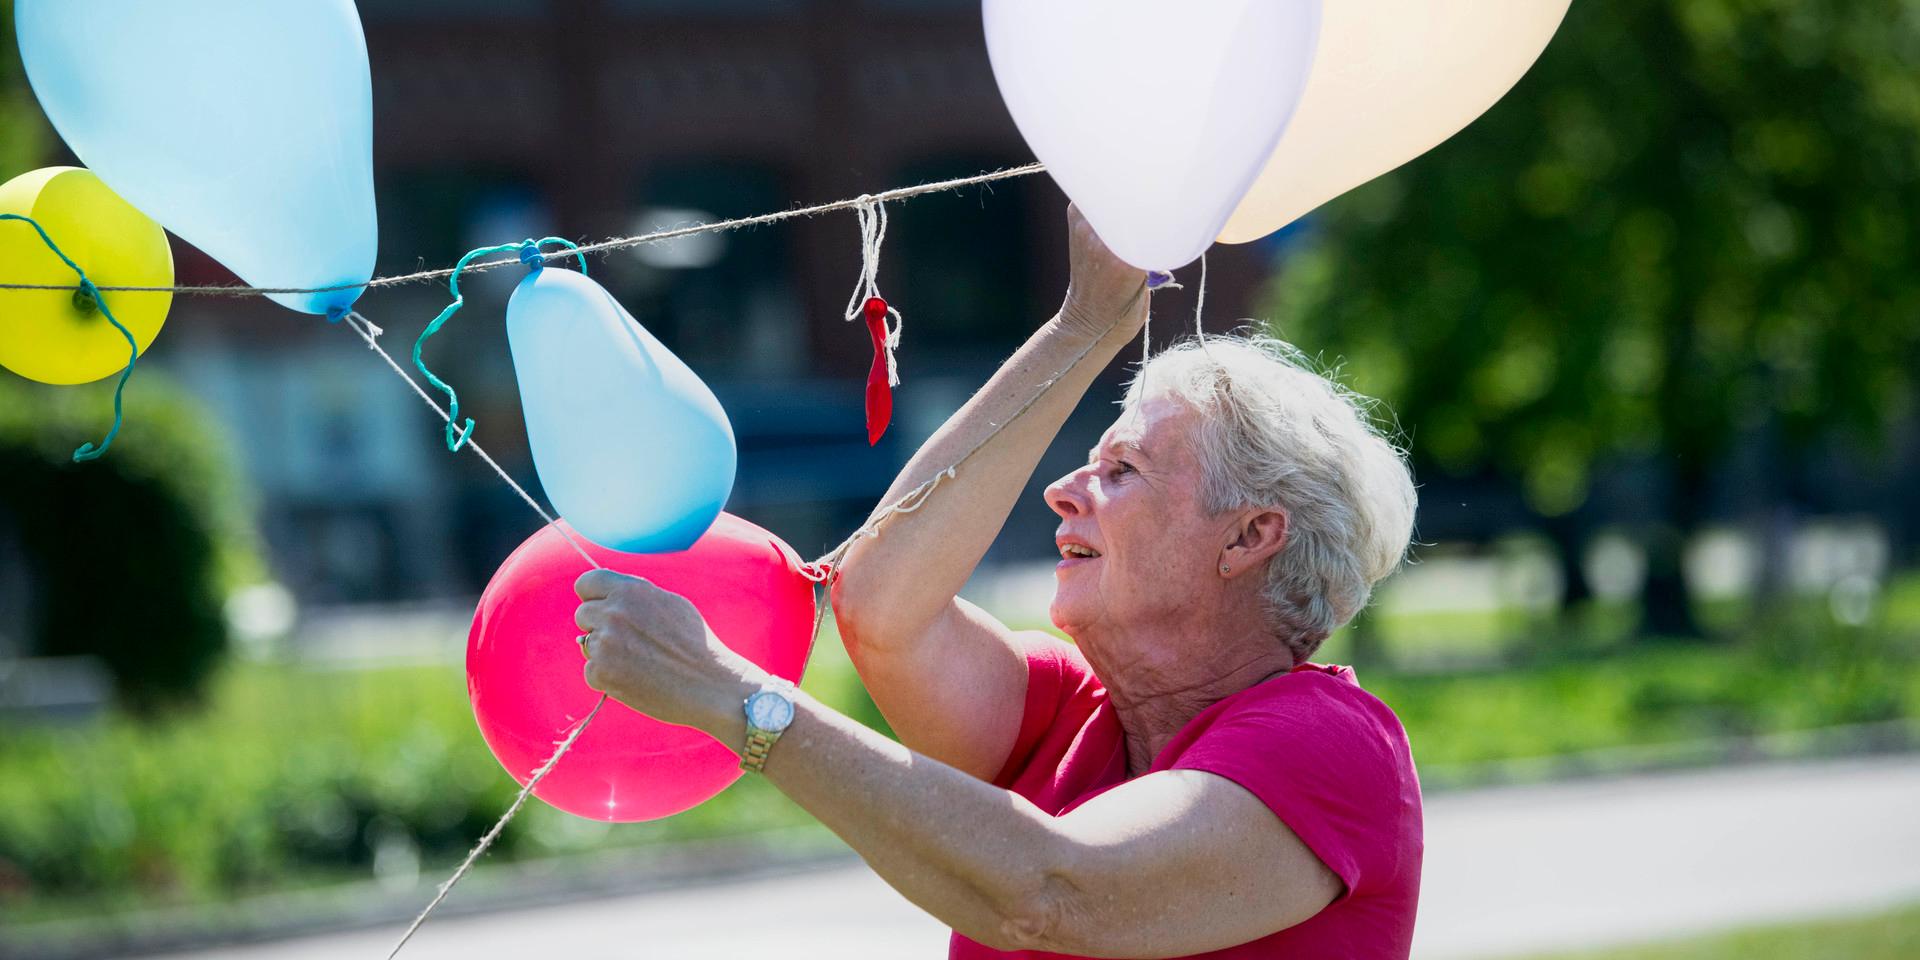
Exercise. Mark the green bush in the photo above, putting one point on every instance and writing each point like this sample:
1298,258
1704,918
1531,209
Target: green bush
130,556
282,771
295,775
23,129
1652,697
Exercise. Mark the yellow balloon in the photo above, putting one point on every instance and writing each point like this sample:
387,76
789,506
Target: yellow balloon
48,335
1391,80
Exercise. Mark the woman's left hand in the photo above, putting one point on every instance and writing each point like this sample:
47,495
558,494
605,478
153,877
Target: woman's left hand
651,650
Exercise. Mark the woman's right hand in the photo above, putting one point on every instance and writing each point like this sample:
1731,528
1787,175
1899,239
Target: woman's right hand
1107,296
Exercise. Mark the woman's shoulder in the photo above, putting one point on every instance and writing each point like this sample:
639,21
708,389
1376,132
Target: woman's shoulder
1317,703
1056,664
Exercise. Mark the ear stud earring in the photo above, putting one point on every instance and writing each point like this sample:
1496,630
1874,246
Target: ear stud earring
1225,568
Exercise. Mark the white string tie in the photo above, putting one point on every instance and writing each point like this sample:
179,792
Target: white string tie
873,233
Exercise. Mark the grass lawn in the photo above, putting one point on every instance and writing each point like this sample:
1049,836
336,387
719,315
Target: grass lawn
1902,603
1886,936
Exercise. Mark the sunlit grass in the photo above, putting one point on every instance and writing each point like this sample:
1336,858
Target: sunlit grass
1886,936
1902,603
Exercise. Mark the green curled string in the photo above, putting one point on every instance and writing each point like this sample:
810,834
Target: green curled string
531,255
86,298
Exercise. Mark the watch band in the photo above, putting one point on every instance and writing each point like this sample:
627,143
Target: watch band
759,744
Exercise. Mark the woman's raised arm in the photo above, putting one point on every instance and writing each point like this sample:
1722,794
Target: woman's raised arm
948,677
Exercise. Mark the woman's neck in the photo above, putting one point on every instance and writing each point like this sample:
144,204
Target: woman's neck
1157,687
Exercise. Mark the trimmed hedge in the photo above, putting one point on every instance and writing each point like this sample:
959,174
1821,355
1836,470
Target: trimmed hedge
130,556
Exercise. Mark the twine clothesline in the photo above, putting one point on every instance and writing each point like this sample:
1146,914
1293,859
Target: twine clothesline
603,246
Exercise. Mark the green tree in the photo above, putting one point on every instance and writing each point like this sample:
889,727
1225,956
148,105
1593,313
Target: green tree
23,132
1688,221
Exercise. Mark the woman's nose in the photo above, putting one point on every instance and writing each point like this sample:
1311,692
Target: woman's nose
1067,495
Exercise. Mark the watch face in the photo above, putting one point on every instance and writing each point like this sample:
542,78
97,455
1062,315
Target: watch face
769,711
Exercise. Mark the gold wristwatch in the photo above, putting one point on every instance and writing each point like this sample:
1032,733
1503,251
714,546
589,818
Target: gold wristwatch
769,713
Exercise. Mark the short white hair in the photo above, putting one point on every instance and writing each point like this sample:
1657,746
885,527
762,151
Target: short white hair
1275,433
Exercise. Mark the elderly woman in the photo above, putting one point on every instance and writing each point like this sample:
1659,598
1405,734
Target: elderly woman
1180,779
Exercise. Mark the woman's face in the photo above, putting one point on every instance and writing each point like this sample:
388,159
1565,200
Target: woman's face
1136,544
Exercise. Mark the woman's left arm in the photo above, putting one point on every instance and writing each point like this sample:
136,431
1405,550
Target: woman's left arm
1169,864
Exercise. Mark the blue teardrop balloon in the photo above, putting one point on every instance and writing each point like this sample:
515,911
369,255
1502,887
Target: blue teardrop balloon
632,448
244,126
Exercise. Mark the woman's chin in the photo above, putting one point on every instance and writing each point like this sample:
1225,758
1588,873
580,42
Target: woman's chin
1067,619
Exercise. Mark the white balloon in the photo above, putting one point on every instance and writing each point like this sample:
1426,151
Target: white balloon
1393,80
1155,117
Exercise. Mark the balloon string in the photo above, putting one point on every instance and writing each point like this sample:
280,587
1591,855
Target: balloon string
1146,340
1164,281
560,750
1200,309
370,333
88,295
1200,303
459,433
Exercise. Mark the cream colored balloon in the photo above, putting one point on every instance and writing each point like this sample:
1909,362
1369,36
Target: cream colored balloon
1392,80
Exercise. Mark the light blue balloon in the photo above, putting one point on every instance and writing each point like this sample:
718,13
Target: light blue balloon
244,126
632,448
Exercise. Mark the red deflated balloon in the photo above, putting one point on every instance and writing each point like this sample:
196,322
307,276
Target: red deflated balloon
524,667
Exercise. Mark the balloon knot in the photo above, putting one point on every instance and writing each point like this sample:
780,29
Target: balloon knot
531,256
87,298
1157,279
336,314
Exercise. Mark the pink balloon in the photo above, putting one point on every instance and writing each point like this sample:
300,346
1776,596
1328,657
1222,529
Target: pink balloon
524,668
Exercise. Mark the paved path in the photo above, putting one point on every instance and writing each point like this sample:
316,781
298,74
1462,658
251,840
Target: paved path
1509,871
1546,868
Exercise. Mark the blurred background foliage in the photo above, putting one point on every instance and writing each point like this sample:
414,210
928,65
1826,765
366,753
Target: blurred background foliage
23,128
128,558
1688,226
295,775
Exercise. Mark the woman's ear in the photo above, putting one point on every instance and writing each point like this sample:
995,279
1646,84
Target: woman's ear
1259,535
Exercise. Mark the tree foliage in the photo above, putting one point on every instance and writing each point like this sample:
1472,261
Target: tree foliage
23,132
129,557
1689,220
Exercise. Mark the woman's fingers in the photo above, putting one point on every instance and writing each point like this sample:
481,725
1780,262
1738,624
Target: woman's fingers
597,584
1104,292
